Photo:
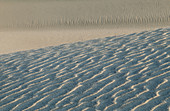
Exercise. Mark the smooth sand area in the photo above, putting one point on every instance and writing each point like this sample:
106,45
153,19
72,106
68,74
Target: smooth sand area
29,24
51,14
25,40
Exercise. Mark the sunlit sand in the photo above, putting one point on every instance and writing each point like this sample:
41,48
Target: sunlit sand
84,55
32,24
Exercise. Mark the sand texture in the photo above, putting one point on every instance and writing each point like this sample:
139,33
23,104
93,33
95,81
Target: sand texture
13,41
57,14
119,73
33,24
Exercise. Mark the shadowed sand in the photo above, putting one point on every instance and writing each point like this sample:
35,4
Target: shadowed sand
127,72
119,73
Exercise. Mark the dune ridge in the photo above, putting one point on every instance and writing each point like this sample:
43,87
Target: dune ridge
14,41
125,72
80,22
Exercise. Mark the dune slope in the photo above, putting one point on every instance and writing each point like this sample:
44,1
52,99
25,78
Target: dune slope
128,72
57,14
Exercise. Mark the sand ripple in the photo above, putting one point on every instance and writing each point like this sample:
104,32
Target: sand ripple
127,72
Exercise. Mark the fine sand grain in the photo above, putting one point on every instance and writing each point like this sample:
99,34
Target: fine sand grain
119,73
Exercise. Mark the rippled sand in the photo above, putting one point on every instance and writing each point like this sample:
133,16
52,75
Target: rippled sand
120,73
86,55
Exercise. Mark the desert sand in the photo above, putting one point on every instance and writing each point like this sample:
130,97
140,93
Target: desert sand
84,55
43,14
13,41
31,24
120,73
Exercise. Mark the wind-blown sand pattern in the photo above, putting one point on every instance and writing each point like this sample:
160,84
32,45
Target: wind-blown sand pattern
119,73
54,14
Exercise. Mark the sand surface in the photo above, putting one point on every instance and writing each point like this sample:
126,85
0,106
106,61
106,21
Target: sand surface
32,24
120,73
53,14
72,67
14,41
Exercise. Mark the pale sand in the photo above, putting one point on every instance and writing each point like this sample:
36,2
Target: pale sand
43,14
120,73
32,24
25,40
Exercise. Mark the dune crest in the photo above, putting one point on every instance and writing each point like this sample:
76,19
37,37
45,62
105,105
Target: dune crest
126,72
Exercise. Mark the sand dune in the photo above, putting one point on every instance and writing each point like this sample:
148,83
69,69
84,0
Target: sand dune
13,41
126,72
54,14
32,24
